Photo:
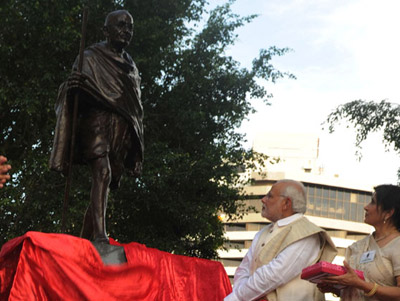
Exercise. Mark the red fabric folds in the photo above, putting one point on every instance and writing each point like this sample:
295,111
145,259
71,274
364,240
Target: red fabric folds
39,266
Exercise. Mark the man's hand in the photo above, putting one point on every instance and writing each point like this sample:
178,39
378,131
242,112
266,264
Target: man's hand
328,288
4,168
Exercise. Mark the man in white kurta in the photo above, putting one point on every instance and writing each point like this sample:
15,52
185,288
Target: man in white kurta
271,269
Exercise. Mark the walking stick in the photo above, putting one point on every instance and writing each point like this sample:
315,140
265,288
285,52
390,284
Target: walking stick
74,125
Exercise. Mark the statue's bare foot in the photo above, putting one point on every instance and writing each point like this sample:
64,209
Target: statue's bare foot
101,239
109,254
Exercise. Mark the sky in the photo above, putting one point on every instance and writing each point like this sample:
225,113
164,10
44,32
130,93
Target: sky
343,50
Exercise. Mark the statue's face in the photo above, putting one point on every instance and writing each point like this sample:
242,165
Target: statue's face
119,30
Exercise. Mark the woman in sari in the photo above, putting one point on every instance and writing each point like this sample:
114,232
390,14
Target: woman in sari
377,255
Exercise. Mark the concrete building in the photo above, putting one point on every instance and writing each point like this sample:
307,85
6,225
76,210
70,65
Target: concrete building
333,202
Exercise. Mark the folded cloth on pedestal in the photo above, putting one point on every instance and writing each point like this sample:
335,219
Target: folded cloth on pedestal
39,266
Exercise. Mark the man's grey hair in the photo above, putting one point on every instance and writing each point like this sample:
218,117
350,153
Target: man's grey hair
296,191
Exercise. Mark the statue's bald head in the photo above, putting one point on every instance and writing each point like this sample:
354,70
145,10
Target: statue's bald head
112,15
118,29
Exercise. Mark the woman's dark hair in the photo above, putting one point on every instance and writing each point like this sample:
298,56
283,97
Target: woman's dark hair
387,198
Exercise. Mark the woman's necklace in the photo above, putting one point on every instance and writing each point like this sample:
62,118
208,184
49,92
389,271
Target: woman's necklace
383,237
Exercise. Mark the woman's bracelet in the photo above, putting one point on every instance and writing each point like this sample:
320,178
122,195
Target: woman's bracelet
372,291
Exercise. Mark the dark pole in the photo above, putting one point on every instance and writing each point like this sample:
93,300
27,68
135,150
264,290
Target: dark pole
74,118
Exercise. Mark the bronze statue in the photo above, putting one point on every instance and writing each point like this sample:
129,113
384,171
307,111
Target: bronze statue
109,134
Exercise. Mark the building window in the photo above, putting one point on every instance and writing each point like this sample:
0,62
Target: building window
338,203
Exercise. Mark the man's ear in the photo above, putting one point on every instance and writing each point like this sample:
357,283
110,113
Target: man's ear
288,203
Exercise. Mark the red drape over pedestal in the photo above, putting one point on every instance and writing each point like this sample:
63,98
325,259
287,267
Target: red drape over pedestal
39,266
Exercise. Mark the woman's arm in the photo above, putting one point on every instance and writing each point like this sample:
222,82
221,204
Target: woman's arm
389,292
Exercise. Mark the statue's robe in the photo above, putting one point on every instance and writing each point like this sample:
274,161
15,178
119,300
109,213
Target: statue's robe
112,85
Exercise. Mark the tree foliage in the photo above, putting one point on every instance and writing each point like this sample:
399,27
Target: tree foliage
194,97
367,117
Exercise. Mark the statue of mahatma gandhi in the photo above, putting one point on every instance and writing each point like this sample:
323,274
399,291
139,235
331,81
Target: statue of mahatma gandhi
109,136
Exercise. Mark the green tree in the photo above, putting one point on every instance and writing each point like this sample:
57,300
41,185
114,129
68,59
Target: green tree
194,97
367,117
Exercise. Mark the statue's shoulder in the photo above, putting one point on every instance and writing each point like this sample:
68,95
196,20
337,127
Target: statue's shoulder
96,49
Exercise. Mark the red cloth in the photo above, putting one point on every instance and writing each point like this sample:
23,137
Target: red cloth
39,266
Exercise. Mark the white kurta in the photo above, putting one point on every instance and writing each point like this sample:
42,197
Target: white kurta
287,265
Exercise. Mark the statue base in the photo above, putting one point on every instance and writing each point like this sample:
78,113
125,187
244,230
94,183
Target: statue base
46,266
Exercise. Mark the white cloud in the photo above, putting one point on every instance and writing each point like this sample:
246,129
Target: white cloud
367,31
343,50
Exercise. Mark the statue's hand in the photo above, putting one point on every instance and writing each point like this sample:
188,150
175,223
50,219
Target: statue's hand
138,169
75,81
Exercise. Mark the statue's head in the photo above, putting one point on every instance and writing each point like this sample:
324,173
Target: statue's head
118,29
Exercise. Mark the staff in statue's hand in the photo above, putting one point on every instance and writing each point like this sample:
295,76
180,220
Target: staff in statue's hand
4,168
